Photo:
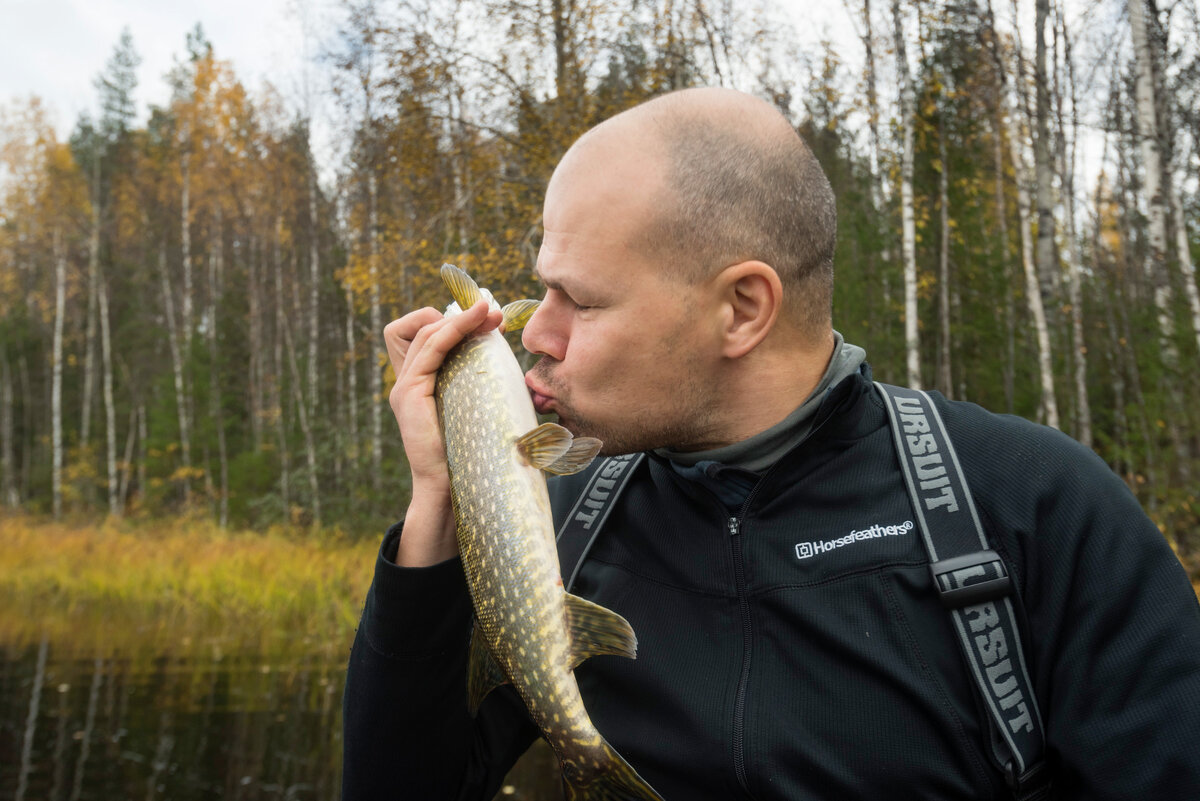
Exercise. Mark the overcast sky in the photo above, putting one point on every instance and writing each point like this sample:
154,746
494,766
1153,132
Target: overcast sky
55,48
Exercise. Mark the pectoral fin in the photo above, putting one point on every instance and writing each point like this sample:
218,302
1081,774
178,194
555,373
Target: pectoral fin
517,313
464,289
544,445
581,453
596,630
483,674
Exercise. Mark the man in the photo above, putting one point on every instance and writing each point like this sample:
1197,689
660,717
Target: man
688,264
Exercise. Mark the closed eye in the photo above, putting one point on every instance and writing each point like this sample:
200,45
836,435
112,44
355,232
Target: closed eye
574,303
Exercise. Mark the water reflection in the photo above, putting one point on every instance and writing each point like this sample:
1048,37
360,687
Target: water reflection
168,727
176,727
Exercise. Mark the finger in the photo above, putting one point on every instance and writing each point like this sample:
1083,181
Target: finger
431,344
399,334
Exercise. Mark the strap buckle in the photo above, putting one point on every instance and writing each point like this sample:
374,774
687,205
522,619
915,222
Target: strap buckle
1032,785
953,578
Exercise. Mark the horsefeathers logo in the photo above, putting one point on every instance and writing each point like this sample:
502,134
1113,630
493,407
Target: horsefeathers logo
807,550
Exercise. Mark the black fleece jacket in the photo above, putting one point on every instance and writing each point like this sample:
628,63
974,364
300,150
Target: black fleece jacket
764,675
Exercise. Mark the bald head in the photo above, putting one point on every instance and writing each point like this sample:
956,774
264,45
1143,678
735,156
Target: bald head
733,183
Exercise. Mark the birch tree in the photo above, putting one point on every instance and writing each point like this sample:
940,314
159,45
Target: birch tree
1047,267
1071,255
1147,130
908,237
60,311
1033,295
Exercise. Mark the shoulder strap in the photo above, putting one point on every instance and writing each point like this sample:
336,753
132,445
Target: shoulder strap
973,584
587,516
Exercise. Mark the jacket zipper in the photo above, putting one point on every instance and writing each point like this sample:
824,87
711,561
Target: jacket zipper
734,526
739,710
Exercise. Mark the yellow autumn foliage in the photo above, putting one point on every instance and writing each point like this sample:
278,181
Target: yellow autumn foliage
120,584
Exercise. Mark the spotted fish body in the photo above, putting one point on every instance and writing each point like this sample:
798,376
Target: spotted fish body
528,630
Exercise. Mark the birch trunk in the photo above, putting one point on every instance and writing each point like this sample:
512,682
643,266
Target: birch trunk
1033,292
1049,404
1043,164
1147,131
877,186
185,429
1072,261
1156,199
378,353
909,236
110,412
56,436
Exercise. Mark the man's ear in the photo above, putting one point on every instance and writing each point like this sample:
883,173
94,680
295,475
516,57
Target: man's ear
751,297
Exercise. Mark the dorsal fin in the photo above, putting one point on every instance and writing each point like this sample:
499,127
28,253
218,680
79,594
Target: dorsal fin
517,313
462,286
595,630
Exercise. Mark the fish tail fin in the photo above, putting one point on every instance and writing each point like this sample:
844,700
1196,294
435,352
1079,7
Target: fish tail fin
615,780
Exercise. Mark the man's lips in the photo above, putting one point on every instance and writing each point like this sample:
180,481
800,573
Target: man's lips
543,402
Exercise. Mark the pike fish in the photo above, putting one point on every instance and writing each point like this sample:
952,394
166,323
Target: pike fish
528,630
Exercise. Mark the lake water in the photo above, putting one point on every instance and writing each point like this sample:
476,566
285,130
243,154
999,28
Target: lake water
200,723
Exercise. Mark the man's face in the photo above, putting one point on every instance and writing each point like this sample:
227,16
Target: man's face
627,351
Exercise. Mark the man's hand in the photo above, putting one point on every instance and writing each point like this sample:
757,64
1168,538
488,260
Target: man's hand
417,344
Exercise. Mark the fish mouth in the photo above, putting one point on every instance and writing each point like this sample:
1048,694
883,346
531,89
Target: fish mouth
543,401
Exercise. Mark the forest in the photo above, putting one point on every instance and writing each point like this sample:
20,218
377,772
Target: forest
192,304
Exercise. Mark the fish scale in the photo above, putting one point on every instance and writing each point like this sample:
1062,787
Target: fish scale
528,631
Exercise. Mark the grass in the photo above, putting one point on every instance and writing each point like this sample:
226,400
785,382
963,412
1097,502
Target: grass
187,585
129,585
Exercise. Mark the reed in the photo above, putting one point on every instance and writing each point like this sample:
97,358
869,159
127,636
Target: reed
115,585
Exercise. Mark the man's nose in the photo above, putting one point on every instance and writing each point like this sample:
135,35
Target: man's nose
539,335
